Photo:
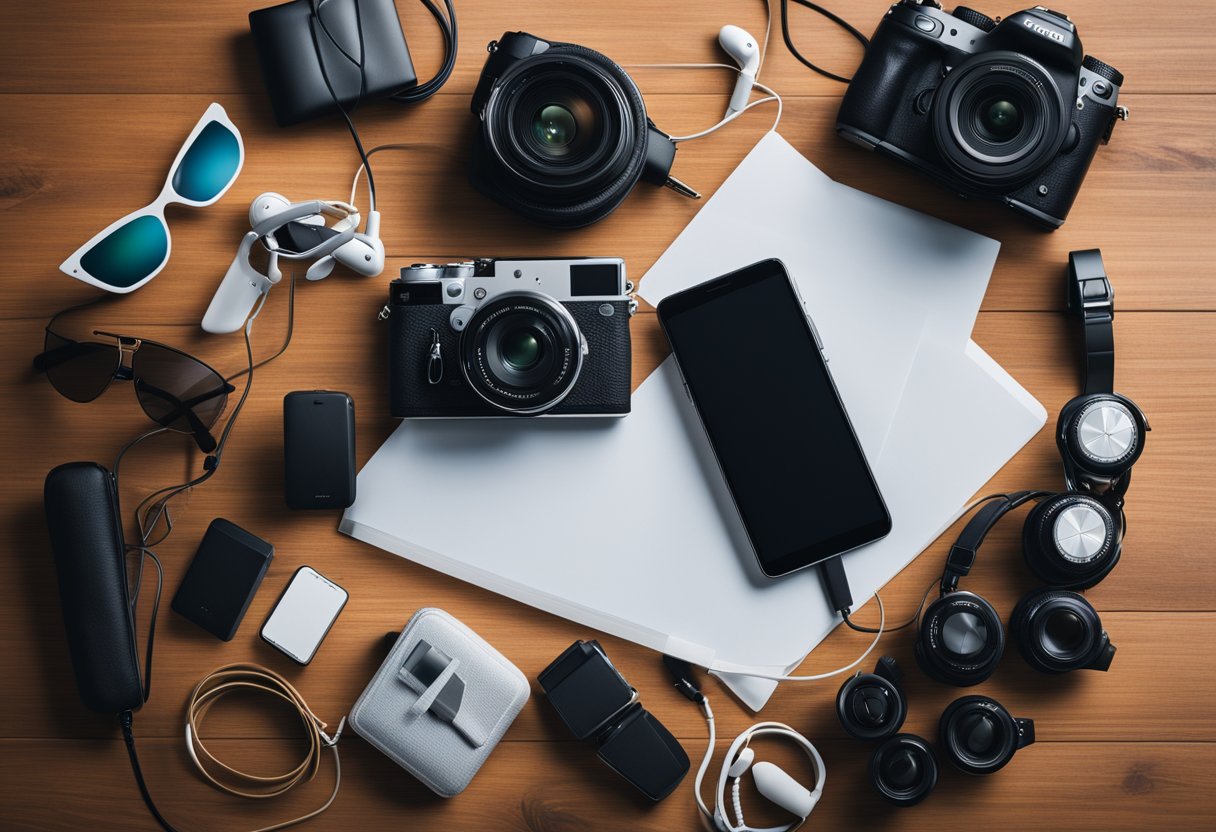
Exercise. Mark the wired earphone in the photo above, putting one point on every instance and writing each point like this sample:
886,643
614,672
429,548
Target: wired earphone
773,782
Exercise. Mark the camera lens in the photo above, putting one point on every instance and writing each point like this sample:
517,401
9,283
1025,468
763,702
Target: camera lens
980,736
563,135
1064,633
903,770
522,353
554,125
998,119
521,349
562,125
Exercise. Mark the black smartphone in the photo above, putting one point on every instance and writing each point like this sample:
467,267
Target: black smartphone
755,370
318,449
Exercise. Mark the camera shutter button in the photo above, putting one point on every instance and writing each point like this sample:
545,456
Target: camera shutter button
927,24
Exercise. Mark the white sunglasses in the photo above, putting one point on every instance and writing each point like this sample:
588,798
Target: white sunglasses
131,251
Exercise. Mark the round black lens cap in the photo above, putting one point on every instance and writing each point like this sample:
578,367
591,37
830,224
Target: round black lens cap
904,770
977,733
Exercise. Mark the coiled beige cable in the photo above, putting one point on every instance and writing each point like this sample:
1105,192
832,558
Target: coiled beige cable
251,677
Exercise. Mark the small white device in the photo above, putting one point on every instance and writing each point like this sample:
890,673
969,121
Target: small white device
745,52
304,615
293,231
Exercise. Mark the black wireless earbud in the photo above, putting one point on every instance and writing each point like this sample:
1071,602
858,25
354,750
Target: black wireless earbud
872,706
1057,630
904,770
979,735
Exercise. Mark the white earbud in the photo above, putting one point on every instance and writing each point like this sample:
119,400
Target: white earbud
742,47
266,206
785,791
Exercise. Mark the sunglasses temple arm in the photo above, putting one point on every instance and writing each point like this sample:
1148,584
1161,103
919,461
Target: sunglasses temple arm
202,435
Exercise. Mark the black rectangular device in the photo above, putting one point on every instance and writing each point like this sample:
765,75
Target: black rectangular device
318,449
755,370
223,578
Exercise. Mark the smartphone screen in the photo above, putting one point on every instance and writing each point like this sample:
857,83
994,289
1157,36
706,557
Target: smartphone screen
304,614
755,372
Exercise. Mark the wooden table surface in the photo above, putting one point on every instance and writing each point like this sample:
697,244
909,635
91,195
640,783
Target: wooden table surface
96,98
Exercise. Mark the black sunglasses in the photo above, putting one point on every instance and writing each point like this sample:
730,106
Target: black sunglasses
175,389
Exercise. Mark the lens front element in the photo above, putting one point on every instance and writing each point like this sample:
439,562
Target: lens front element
522,353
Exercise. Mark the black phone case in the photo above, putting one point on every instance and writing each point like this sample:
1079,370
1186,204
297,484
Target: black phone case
222,578
318,449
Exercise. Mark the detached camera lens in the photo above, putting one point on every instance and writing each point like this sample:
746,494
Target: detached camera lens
554,125
979,735
904,770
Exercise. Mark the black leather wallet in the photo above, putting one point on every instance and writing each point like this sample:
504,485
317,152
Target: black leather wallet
81,503
292,45
594,700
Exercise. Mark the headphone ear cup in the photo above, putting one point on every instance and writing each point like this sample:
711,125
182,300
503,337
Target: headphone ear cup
1101,433
1071,540
961,639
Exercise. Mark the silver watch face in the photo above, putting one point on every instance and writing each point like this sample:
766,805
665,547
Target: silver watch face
1080,533
1106,431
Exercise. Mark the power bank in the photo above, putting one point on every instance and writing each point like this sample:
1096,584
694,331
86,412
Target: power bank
318,449
222,578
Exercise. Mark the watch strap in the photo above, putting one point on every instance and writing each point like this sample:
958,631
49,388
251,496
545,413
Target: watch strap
1091,298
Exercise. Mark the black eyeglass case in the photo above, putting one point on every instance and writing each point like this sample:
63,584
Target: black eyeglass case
293,46
594,700
82,516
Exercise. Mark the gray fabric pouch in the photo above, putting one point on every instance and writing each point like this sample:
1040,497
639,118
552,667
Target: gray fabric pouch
440,702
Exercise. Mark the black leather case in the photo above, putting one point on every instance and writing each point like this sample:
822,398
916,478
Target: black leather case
288,39
82,515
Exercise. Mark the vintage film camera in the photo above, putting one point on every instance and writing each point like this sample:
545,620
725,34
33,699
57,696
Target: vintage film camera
511,337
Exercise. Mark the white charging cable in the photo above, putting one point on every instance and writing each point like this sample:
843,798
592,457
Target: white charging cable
771,95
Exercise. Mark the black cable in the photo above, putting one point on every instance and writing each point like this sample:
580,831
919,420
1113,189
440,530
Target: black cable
857,627
832,16
125,719
447,27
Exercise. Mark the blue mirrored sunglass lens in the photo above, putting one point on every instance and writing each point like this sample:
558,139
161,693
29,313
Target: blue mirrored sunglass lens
209,164
130,253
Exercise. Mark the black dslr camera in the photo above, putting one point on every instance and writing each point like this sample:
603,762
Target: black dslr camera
1012,110
563,135
500,337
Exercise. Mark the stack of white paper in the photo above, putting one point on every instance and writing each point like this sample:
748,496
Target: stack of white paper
625,525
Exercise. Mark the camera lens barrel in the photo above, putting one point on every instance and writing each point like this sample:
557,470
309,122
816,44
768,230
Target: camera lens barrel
522,353
904,770
563,136
999,118
1058,630
980,736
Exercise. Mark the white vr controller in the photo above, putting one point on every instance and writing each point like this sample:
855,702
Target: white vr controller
293,231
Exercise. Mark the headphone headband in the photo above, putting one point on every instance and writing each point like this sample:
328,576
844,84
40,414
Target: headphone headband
1091,298
962,553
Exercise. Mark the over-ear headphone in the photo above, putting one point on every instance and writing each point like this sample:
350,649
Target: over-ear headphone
1074,539
961,639
771,780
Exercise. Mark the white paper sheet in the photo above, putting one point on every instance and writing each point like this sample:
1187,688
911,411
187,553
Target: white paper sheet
625,525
